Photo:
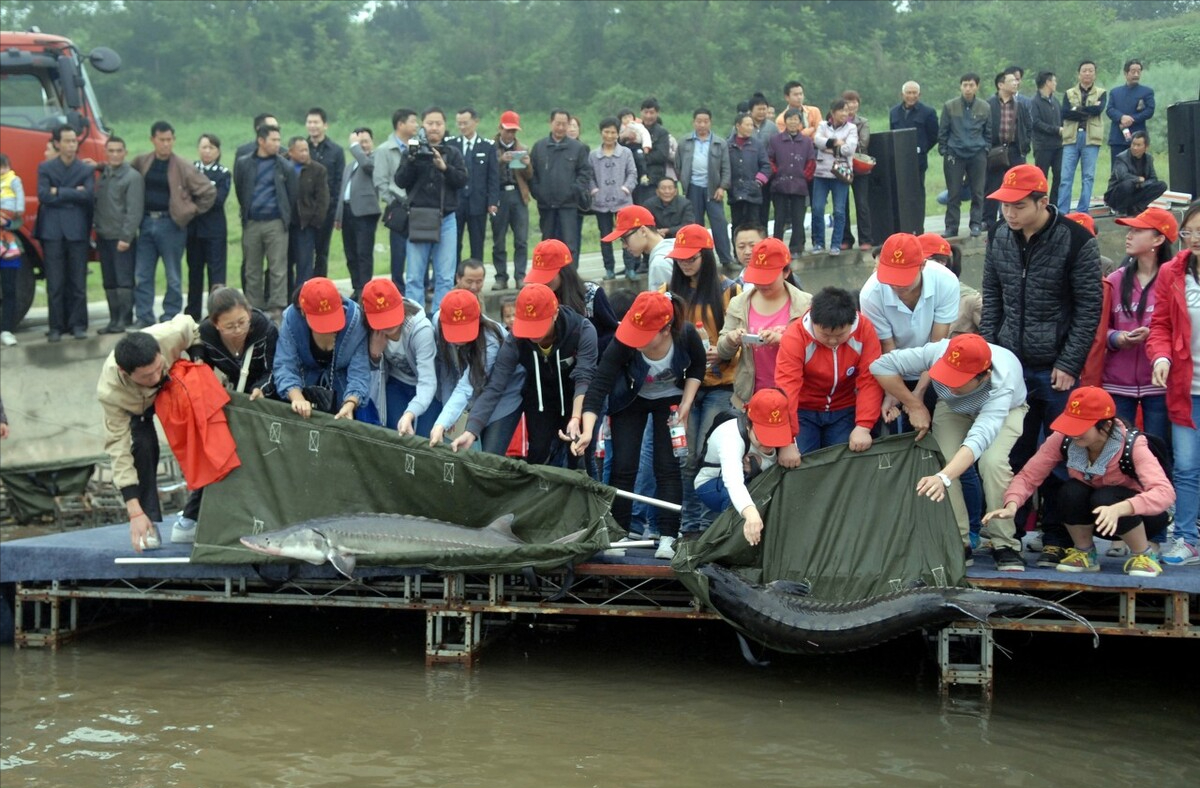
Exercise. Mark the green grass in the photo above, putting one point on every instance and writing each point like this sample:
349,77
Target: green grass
234,132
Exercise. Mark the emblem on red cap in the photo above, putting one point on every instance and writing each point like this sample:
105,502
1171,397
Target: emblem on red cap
776,417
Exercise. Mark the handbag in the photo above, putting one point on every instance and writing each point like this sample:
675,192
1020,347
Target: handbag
843,171
395,216
997,157
862,163
425,224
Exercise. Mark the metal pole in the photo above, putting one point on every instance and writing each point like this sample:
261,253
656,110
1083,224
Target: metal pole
674,507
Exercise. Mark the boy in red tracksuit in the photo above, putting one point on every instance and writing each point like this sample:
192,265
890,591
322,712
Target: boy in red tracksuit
824,368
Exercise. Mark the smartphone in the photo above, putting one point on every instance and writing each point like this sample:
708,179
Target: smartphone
752,339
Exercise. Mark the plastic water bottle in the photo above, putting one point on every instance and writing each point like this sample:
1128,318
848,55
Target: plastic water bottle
679,445
703,332
603,436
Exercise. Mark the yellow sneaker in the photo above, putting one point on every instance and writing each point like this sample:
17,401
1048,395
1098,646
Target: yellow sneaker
1078,560
1142,565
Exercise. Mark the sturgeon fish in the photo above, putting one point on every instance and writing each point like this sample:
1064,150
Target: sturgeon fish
781,616
341,539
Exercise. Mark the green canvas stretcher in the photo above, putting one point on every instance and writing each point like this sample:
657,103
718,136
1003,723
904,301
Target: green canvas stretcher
849,524
295,470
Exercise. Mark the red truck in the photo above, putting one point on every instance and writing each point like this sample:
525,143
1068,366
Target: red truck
44,85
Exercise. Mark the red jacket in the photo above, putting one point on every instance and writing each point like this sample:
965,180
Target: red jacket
190,408
817,378
1171,336
1093,368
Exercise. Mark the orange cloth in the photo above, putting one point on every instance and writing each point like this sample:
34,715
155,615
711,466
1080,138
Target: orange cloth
1093,368
190,408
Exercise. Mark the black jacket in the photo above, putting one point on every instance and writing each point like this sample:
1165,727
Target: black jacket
330,156
622,370
260,345
744,164
429,187
65,215
669,218
659,155
1047,123
560,172
245,171
1023,123
1042,298
924,120
483,177
1124,168
312,195
211,223
551,381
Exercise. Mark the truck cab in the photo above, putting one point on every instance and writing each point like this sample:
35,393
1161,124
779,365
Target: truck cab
45,84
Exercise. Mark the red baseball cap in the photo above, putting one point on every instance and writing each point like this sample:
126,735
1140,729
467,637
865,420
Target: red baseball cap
772,418
510,120
537,306
383,304
650,313
768,257
966,356
900,260
932,243
1156,219
321,304
1019,182
690,239
1084,219
459,316
1085,407
630,218
548,257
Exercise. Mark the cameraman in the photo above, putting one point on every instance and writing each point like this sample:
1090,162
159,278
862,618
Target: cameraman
432,174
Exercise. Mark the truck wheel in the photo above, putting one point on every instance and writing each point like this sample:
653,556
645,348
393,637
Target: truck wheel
26,280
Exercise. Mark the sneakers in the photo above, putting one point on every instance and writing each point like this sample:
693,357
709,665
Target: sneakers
501,283
968,556
1118,550
1180,553
1079,561
183,531
7,339
666,548
1142,565
1008,560
818,248
1050,557
834,251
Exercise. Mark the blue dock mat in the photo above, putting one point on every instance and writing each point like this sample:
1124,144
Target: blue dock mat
89,554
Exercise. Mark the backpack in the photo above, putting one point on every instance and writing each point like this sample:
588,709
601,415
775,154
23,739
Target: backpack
718,420
1158,447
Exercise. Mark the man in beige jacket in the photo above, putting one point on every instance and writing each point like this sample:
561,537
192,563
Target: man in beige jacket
129,383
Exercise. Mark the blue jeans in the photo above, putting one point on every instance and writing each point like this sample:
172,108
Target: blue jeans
1045,405
157,238
1154,414
819,428
841,195
1186,445
1071,155
715,212
399,394
302,250
705,407
644,515
441,254
714,495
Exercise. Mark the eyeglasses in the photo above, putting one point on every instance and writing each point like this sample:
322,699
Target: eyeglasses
625,237
1187,235
234,328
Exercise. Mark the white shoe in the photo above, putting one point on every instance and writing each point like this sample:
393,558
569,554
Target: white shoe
183,531
1177,553
7,339
1118,550
666,548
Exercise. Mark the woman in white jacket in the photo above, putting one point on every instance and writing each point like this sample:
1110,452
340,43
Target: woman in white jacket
836,140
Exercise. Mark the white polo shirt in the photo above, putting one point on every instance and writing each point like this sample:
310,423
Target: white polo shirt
911,327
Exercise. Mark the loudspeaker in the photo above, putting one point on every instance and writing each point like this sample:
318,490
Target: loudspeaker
1183,146
896,199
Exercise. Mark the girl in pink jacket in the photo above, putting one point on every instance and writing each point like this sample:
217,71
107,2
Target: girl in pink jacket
1098,497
